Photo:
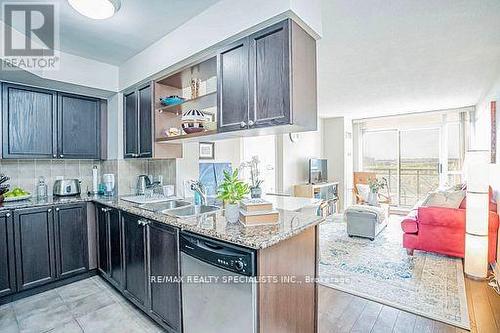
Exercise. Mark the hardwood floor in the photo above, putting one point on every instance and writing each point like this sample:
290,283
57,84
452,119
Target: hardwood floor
342,312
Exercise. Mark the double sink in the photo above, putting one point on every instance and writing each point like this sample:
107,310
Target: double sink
179,208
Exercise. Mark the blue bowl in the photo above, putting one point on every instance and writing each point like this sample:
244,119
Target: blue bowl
171,100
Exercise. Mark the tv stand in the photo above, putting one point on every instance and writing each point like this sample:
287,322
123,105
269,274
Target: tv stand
326,191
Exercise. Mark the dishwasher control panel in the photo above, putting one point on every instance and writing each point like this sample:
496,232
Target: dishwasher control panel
233,258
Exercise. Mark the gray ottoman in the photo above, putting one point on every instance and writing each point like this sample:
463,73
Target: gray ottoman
365,221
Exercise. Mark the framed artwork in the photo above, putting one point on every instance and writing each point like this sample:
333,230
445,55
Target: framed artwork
207,151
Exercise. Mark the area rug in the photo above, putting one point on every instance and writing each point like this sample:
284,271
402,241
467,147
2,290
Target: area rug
425,284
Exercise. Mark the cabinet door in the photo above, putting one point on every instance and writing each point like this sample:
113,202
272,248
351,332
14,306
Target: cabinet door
34,244
7,257
71,240
115,247
232,89
130,128
29,122
145,122
134,259
79,129
270,76
163,258
102,240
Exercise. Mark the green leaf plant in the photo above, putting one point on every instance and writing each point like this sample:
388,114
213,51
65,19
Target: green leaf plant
232,190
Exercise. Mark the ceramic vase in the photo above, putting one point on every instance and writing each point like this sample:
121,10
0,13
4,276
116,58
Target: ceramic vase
255,192
232,213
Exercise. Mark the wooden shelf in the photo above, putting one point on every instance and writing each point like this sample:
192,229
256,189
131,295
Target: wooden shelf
186,136
177,108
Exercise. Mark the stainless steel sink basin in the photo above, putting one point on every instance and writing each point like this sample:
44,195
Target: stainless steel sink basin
190,211
165,205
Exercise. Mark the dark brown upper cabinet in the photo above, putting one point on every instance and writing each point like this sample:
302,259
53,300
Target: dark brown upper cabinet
233,86
38,123
29,122
138,123
79,127
268,79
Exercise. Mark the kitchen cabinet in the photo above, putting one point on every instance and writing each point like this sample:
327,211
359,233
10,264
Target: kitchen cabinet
39,123
34,247
28,122
163,262
232,88
138,123
270,76
109,242
79,127
135,280
7,257
71,240
268,79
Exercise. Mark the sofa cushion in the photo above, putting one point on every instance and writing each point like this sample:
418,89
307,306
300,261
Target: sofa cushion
409,226
445,199
363,190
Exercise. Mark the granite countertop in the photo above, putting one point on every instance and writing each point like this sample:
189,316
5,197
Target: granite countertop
214,225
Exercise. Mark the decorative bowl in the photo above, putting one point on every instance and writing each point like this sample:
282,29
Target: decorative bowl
192,127
171,100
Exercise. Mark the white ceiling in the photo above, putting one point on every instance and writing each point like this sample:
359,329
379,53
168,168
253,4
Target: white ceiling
138,24
393,56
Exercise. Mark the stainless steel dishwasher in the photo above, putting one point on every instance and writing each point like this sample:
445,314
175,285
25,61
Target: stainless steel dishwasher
218,287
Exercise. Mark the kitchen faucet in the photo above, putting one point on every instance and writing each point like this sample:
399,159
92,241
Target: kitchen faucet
199,188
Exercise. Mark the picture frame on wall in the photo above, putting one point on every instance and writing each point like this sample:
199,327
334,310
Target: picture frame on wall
207,150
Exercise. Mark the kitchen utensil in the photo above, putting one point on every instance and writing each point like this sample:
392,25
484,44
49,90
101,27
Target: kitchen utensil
66,187
95,180
109,184
143,182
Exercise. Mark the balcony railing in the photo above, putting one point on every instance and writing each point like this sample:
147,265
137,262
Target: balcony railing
415,183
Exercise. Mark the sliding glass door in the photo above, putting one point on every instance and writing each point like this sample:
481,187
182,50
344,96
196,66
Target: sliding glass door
415,161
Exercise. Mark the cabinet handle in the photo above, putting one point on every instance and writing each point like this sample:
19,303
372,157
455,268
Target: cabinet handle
105,210
143,222
7,215
243,124
57,209
54,156
49,210
251,123
61,156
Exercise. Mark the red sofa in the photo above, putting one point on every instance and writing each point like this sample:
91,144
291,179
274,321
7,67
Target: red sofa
442,230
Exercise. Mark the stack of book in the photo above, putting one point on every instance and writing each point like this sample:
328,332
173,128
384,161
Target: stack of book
258,212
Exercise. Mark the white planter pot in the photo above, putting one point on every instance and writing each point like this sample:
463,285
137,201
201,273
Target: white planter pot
232,213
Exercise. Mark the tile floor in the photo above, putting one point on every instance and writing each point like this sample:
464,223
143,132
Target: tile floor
89,305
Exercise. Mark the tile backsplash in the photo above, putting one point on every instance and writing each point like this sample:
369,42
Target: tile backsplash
25,173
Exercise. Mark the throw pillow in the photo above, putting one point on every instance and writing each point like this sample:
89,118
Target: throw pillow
446,199
363,190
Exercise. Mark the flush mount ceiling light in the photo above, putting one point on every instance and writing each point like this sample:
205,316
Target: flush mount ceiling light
96,9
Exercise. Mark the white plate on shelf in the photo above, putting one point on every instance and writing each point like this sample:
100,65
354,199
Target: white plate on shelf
19,198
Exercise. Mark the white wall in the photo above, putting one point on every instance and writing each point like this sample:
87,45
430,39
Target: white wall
481,133
187,168
293,167
217,23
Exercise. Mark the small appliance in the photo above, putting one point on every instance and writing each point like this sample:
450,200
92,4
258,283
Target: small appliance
66,187
109,184
143,182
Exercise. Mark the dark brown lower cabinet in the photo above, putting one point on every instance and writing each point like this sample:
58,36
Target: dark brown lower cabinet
35,253
134,256
109,242
164,273
7,257
71,240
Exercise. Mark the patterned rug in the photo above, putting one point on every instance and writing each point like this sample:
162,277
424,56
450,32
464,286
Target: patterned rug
426,284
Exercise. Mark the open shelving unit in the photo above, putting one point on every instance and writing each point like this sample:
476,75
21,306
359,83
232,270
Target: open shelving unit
180,84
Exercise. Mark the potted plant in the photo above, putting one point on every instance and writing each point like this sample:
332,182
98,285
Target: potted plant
255,189
375,186
231,192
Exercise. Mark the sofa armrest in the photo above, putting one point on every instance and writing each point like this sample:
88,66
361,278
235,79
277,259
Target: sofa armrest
409,225
446,217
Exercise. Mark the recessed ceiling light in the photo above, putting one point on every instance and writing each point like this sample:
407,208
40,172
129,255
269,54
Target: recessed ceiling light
96,9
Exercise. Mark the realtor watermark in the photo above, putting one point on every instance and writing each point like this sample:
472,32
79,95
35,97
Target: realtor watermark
241,279
30,36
